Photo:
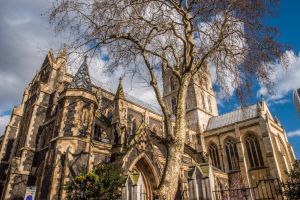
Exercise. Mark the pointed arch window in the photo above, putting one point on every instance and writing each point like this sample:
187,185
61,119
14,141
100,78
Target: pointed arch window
85,117
109,116
8,150
203,101
214,155
254,151
232,154
133,127
174,105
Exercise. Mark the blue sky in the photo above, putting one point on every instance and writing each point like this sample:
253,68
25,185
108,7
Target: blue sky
287,20
25,38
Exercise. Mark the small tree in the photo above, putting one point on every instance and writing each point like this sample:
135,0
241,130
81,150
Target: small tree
104,182
294,175
292,190
178,37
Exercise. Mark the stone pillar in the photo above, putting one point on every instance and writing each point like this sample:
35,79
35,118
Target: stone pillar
242,153
269,147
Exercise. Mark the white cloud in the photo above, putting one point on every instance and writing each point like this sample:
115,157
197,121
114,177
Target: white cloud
26,36
3,123
285,79
294,133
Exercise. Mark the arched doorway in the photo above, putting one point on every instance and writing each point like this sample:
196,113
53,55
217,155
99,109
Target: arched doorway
143,166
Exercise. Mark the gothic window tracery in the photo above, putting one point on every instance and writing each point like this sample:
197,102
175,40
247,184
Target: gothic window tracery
45,73
254,151
133,127
232,154
8,150
85,117
97,132
109,116
214,155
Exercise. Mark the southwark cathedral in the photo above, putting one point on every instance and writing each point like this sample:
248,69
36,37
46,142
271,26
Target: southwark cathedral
67,124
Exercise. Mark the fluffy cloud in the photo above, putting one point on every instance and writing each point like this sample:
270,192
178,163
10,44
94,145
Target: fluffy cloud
285,79
26,36
294,133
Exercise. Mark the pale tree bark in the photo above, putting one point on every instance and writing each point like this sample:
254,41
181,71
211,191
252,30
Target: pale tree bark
177,37
169,184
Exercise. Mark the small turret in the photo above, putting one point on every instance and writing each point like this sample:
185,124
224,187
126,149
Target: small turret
120,92
119,115
82,104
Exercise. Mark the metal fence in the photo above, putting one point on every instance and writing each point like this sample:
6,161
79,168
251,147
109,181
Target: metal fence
263,189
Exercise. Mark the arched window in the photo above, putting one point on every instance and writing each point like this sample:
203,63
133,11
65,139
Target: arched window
232,154
174,104
109,116
8,150
254,151
209,105
85,117
214,155
133,127
203,101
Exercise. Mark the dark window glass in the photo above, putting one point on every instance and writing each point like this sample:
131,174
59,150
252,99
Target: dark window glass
214,155
133,127
254,151
232,154
109,116
8,150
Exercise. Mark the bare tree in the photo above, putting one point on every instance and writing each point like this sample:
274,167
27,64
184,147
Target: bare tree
177,36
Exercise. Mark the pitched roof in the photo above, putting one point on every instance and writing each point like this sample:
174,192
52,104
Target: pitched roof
152,107
233,117
82,77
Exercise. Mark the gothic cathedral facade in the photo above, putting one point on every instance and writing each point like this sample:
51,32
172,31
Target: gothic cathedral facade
66,125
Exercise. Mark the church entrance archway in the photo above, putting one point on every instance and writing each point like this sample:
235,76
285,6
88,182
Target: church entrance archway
150,179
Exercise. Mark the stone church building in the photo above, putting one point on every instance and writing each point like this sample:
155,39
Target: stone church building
66,125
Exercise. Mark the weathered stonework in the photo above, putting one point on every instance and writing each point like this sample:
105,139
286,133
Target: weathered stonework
66,125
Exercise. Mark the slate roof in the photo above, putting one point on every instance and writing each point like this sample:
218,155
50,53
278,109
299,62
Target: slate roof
233,117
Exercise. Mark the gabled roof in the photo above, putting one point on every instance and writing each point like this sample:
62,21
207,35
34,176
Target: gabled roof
82,78
233,117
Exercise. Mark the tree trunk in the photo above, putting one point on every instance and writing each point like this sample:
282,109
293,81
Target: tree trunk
169,184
